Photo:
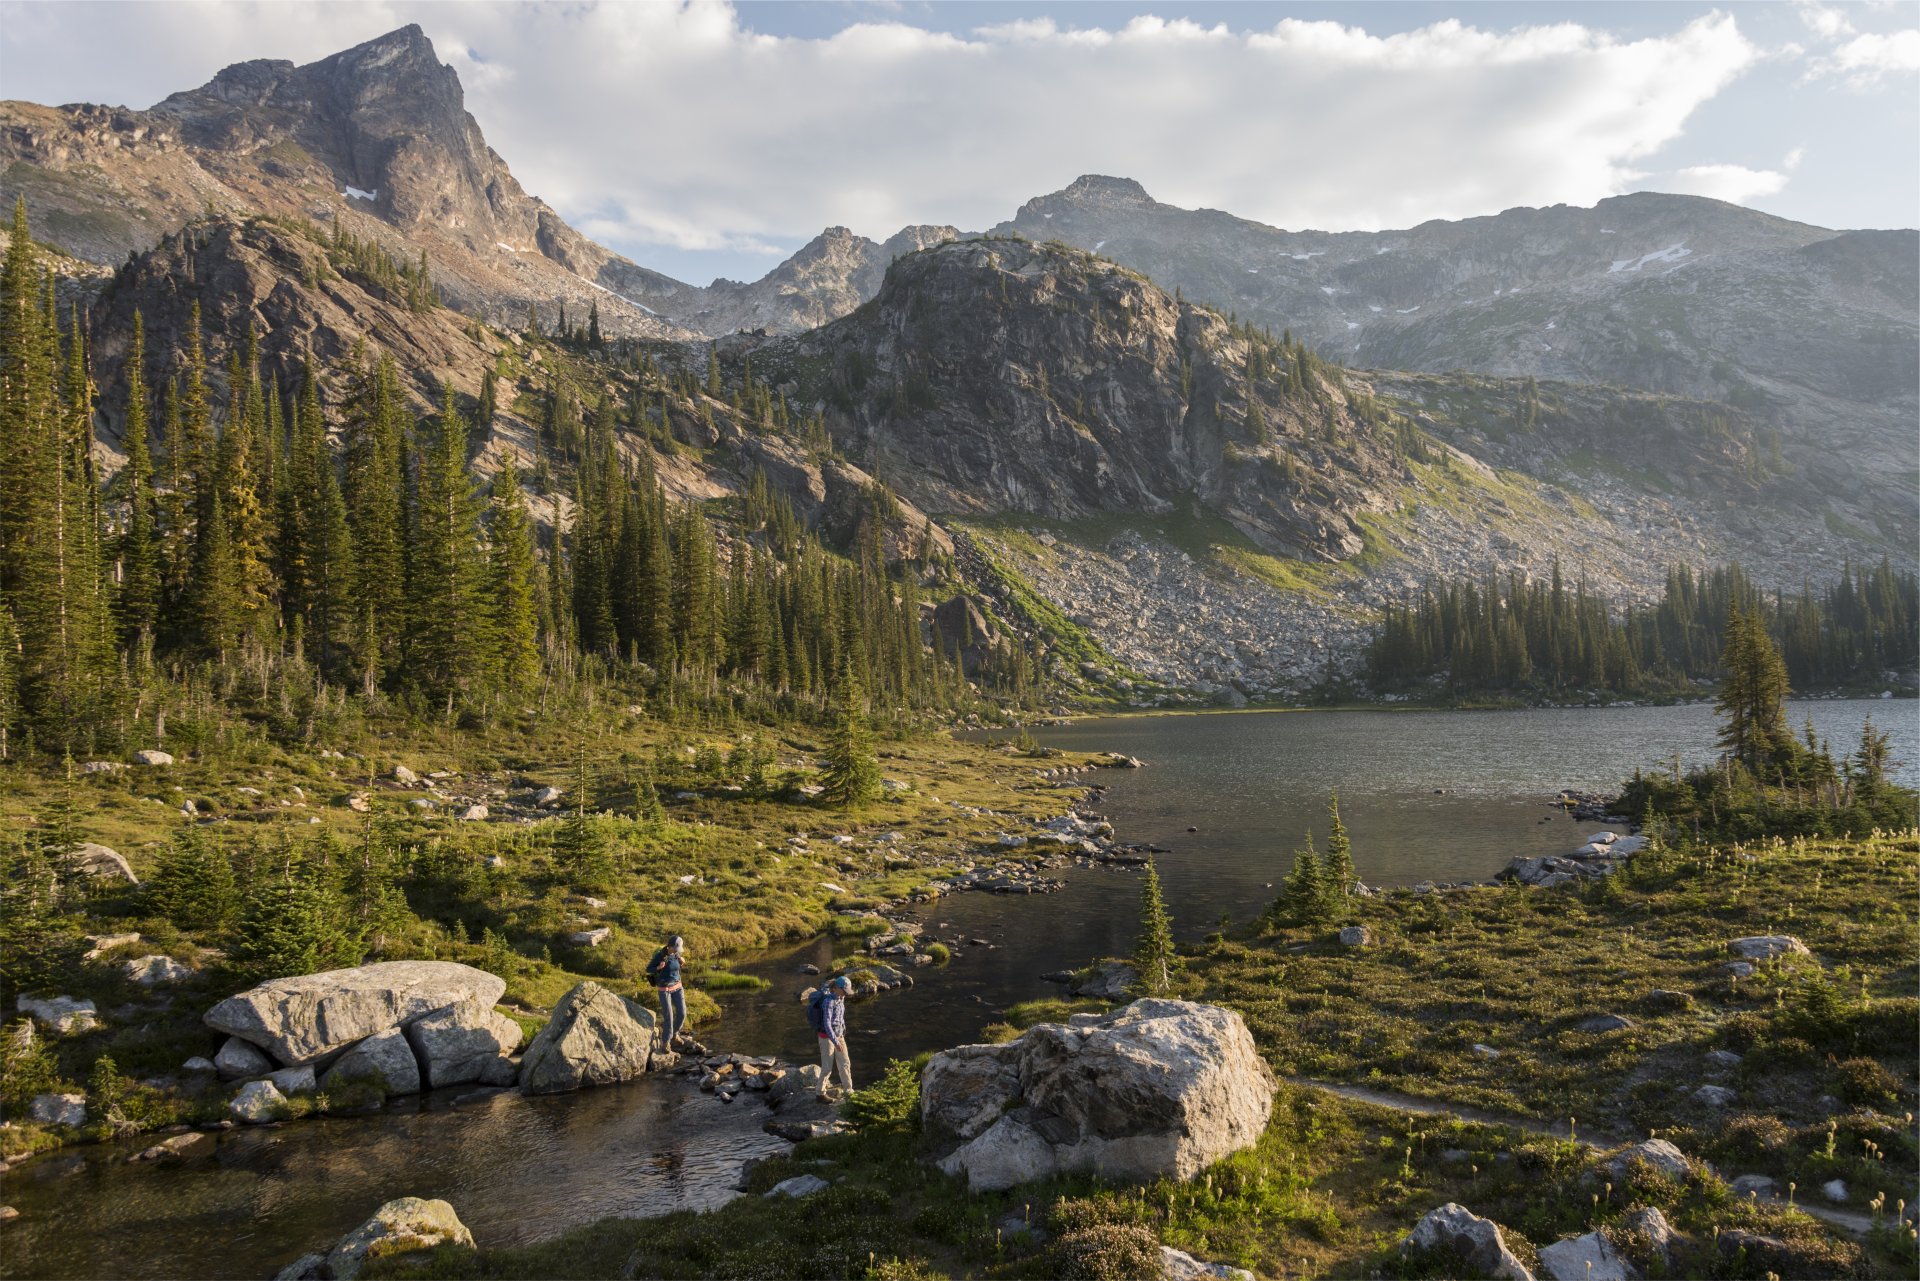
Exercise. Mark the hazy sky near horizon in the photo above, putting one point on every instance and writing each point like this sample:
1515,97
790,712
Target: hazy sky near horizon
709,138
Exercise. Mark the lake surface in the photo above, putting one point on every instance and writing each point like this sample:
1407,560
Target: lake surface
1443,796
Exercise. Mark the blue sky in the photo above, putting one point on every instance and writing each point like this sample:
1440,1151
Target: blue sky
713,139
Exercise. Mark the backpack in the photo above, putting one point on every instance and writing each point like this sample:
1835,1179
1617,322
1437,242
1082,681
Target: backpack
655,966
817,1012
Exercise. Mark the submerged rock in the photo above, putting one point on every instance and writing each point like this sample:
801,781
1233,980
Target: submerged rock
1160,1088
401,1226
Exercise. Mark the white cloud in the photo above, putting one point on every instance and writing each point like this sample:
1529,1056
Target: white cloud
1866,60
672,124
1735,183
1824,20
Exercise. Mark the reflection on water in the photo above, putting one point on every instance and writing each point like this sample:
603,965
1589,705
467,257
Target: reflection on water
515,1169
1426,796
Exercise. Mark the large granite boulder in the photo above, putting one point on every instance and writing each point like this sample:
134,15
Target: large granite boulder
91,859
1160,1088
595,1037
384,1058
399,1227
459,1044
1473,1246
305,1018
258,1103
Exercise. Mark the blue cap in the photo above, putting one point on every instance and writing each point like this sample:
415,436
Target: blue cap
842,982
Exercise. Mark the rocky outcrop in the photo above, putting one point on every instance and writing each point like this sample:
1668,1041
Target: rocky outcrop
399,1227
308,1017
468,1042
1158,1089
1471,1244
594,1037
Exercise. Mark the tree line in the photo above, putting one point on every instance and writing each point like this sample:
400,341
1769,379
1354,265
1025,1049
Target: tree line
1522,635
236,534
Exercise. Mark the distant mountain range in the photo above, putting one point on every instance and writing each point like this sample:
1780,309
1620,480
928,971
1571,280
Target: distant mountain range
1658,377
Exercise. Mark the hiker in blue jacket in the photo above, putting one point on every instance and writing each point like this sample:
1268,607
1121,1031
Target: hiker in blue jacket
663,971
827,1015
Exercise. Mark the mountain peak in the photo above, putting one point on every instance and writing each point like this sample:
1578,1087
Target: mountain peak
1096,188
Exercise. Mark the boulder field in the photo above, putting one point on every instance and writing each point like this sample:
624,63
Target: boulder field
1160,1088
405,1026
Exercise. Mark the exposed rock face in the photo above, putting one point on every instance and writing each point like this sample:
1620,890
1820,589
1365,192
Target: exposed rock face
456,1045
385,1057
1812,328
1475,1243
827,278
1161,1088
595,1037
305,1018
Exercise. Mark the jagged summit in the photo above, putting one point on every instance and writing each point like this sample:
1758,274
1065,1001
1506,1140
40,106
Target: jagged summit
1098,188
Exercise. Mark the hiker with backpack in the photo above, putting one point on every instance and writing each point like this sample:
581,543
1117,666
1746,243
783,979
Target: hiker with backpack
827,1016
663,971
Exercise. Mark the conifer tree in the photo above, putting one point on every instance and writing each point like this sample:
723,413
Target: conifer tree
1753,726
139,602
325,561
851,773
1301,898
511,583
296,921
193,884
248,543
1337,873
375,496
1154,959
450,638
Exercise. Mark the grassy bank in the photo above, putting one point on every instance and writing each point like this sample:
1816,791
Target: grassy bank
1824,1089
735,857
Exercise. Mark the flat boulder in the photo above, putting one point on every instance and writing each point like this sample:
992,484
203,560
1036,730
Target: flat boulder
384,1059
1660,1154
1468,1242
148,756
60,1014
595,1037
1586,1258
150,970
456,1045
307,1017
1355,936
1764,947
1158,1089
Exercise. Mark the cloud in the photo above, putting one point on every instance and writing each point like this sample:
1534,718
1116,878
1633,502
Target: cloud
1735,183
676,125
1824,20
1866,60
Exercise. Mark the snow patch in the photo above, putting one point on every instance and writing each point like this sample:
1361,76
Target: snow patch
1253,271
1328,290
354,193
1353,324
1383,249
1407,311
1316,253
1046,215
501,244
1096,244
1606,231
1373,306
622,297
1672,253
1551,324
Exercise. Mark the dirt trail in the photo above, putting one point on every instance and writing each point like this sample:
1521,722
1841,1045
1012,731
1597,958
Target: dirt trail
1846,1220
